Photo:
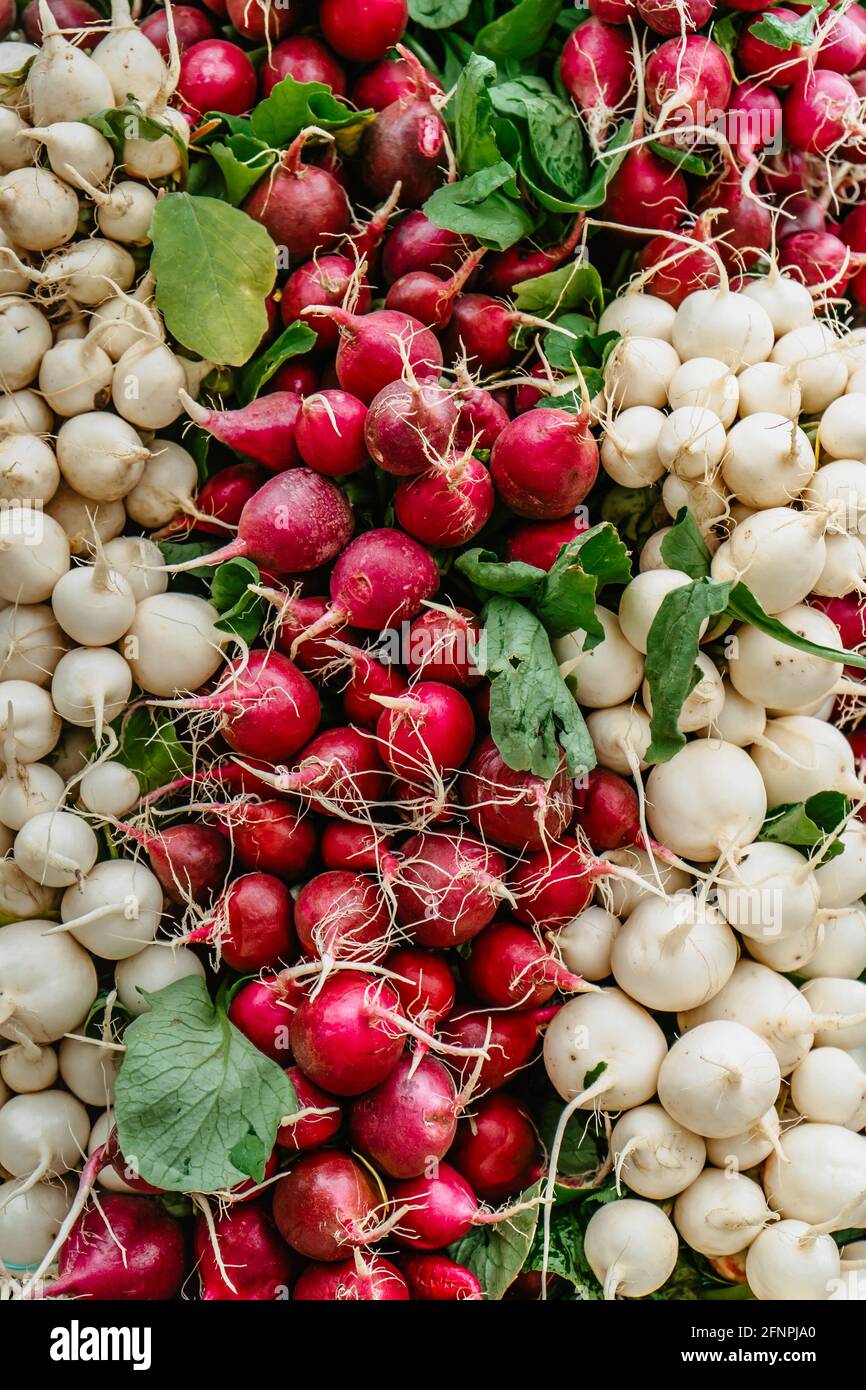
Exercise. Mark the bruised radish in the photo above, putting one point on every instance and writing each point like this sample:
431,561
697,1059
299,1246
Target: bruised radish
409,424
405,142
409,1120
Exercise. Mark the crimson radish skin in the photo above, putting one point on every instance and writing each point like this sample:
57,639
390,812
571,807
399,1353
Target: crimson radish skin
405,142
339,768
190,26
646,191
449,504
323,1205
375,347
514,809
301,204
326,280
442,1209
444,644
684,77
272,837
497,1150
409,424
252,924
190,861
386,81
540,542
409,1121
339,1038
426,731
424,985
380,579
433,1278
508,968
554,884
262,1010
416,243
256,20
266,707
320,1116
340,915
606,810
128,1248
819,111
256,1260
447,888
352,846
544,464
329,434
374,1280
597,71
513,1039
306,60
264,430
360,32
216,75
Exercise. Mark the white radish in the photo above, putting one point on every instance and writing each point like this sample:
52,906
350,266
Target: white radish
778,552
55,848
28,469
706,800
109,789
741,333
34,553
721,1213
94,604
739,1152
629,450
819,1176
173,643
765,1003
704,703
23,412
160,158
45,1132
115,909
15,277
673,955
739,721
622,895
145,386
639,372
74,148
39,211
91,270
840,488
768,460
608,1028
842,948
21,900
705,382
842,430
814,352
719,1079
47,983
691,443
607,675
125,214
828,1086
777,895
91,687
840,1011
25,337
789,953
28,721
768,386
107,1177
100,455
28,790
631,1248
129,60
584,946
641,601
786,301
140,562
83,521
638,316
89,1070
30,1218
792,1261
75,376
780,676
844,569
621,736
843,879
63,83
151,970
800,756
28,1069
123,320
708,502
16,150
168,484
651,557
653,1155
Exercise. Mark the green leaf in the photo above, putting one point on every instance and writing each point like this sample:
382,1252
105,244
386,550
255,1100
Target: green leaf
497,1254
292,106
192,1093
243,161
475,139
214,268
576,285
632,510
587,349
684,1285
726,34
684,548
476,206
606,164
241,612
150,747
512,578
805,824
530,705
567,599
131,122
295,340
778,33
743,606
521,31
565,1254
547,140
687,163
579,1152
672,649
438,14
176,552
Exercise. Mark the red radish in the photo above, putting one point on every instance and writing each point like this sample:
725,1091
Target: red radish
513,1039
843,44
374,1280
444,646
262,20
780,67
447,505
597,71
785,173
509,969
425,987
306,60
606,809
646,191
497,1150
820,110
539,542
849,615
759,119
743,227
344,1037
852,230
481,420
434,1278
803,214
262,1010
379,579
818,259
428,730
515,809
311,1130
429,298
190,861
341,915
190,26
524,261
345,846
447,887
126,1248
408,424
442,1209
368,679
254,1257
271,837
300,205
555,883
264,430
300,376
325,280
668,17
416,243
613,11
217,7
481,329
361,31
297,614
296,522
408,1121
330,433
324,1205
216,75
250,1186
376,348
251,924
385,82
405,141
685,269
267,708
223,496
340,767
71,16
421,805
686,78
544,463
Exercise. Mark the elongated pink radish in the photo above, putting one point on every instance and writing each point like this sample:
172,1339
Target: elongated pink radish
375,348
300,205
264,430
514,809
341,915
506,269
597,71
429,298
406,141
329,434
446,887
544,463
448,504
222,497
410,423
251,924
254,1263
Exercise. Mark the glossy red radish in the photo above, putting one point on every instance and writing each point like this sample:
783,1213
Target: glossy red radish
369,678
445,645
480,332
424,985
362,32
296,522
429,298
190,861
325,1205
375,349
513,1039
329,433
371,1280
416,243
508,968
319,1116
849,616
223,497
426,731
405,141
539,542
506,269
190,26
482,416
300,205
597,71
743,222
216,75
386,81
410,423
327,280
434,1278
497,1150
843,43
343,1038
70,15
126,1248
817,259
804,215
254,1263
251,924
264,430
300,375
342,915
667,17
345,846
261,21
544,463
646,192
515,809
297,614
409,1120
820,110
441,1210
448,504
606,809
447,887
339,770
555,883
759,121
613,11
776,66
262,1010
675,269
270,836
686,78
